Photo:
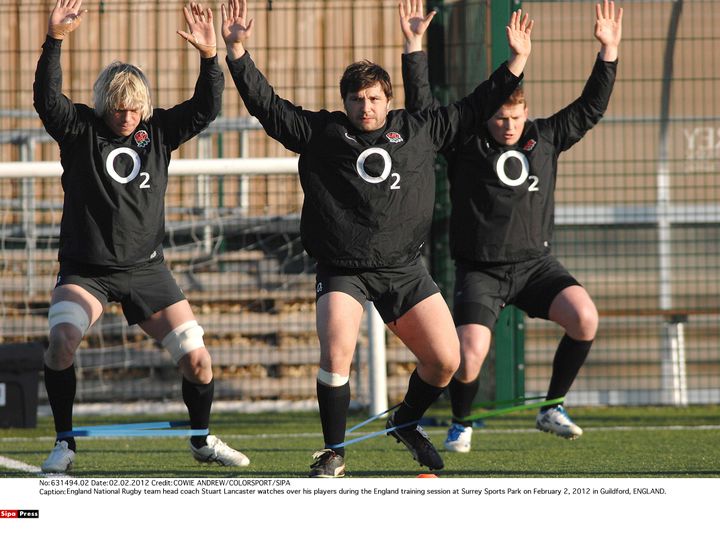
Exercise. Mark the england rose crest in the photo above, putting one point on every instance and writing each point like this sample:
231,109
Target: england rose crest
530,145
394,137
142,139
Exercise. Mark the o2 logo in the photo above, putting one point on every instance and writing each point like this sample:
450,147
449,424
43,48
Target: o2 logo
524,171
386,171
110,167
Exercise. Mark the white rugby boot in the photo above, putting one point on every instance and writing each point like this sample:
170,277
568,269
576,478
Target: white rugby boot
558,422
459,438
218,452
60,460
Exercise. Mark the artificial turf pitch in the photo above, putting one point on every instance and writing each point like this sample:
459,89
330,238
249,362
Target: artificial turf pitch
668,442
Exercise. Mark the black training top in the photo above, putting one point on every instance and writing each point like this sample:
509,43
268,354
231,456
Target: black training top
503,205
113,210
368,195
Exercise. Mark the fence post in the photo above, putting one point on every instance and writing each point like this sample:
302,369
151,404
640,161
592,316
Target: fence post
244,179
377,361
27,153
674,377
204,204
510,355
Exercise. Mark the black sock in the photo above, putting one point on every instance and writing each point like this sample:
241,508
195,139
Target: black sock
60,386
333,403
198,399
420,395
462,396
569,357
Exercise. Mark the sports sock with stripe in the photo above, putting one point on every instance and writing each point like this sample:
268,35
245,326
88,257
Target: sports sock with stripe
198,399
333,402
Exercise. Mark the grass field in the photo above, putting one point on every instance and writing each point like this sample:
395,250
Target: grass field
618,442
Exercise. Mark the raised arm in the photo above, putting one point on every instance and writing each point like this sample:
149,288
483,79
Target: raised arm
65,18
570,124
416,81
57,112
236,28
608,29
413,23
189,118
518,36
201,29
290,125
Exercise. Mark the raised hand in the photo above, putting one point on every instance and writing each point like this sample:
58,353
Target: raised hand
608,25
65,18
413,23
518,35
202,30
236,28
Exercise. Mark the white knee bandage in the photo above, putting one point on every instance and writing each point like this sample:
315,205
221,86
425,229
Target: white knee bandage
184,339
69,312
331,379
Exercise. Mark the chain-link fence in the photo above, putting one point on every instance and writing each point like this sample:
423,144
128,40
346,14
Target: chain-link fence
638,216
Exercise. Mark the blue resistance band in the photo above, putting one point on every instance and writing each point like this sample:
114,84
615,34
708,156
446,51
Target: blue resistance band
371,419
132,433
143,429
137,426
374,434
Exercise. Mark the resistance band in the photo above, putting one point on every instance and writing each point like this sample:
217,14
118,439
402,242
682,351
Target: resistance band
142,429
487,414
492,404
507,410
374,434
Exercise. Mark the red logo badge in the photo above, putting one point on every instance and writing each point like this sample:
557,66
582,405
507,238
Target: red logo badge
394,137
142,138
530,145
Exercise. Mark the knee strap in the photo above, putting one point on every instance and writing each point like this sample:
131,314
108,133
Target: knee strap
184,339
331,379
69,312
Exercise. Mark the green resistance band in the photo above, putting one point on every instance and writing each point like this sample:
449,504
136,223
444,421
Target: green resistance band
508,410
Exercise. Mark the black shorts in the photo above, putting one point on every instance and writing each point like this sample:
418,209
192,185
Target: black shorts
482,291
141,291
393,290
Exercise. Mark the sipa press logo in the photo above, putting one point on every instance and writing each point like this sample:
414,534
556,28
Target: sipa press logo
19,514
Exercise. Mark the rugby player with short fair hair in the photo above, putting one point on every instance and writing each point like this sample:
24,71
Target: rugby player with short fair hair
502,187
368,179
115,160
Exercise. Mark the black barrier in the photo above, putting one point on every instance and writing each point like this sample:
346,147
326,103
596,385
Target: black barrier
20,365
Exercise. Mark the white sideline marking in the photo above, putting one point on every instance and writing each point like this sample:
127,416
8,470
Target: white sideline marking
11,464
16,465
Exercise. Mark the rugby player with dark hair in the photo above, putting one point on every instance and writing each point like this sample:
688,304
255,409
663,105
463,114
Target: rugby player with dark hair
115,159
368,179
502,186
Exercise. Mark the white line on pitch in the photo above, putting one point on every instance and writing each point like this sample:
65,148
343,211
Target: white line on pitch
434,430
